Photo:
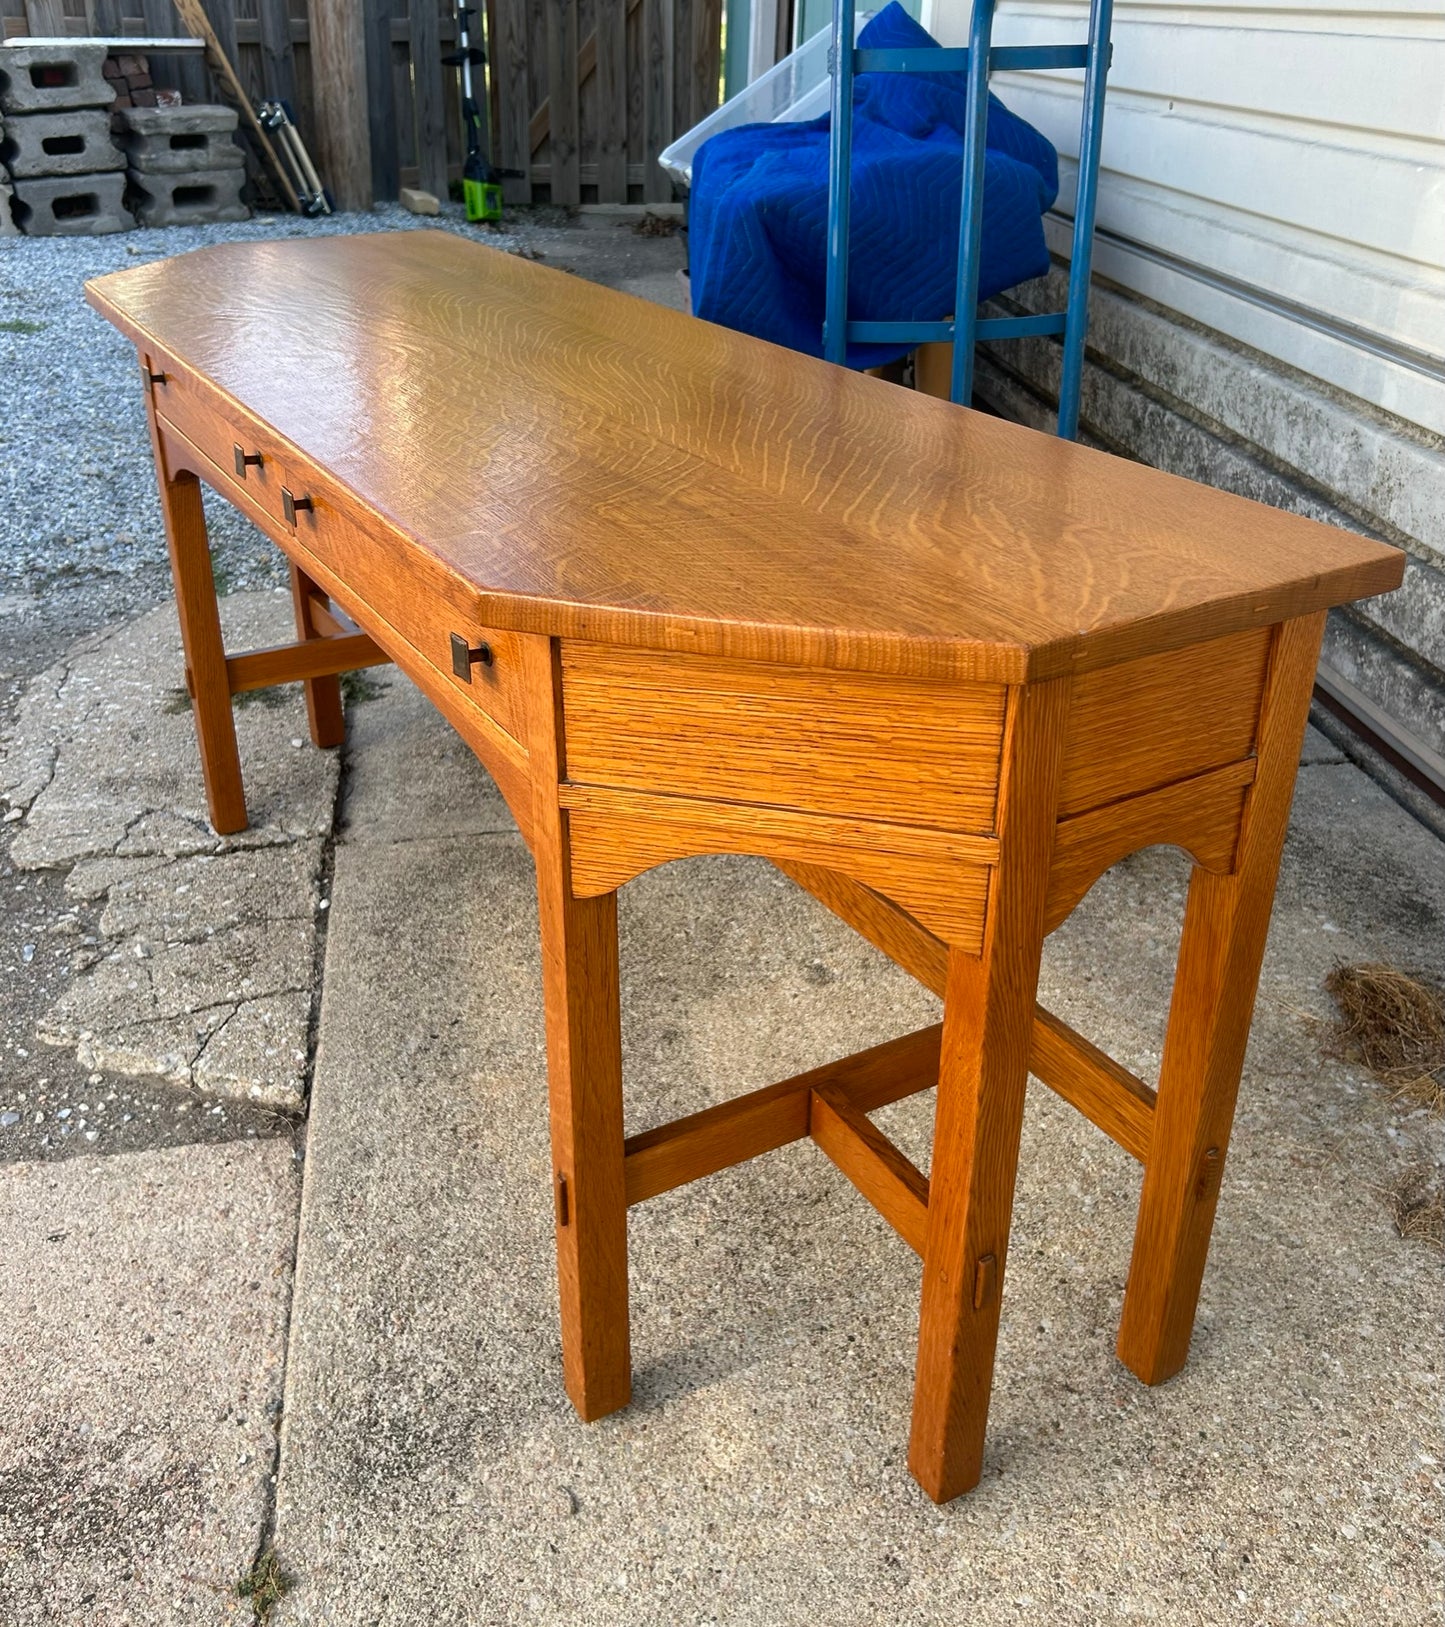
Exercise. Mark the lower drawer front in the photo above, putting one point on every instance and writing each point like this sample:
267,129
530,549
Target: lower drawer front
382,573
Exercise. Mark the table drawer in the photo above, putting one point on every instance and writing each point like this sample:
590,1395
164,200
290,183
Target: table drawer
253,462
855,744
380,575
425,603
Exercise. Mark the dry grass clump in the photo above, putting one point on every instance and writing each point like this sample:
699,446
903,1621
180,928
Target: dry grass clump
265,1583
1417,1206
1395,1025
655,226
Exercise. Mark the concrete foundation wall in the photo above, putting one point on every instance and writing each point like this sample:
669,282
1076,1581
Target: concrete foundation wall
1181,397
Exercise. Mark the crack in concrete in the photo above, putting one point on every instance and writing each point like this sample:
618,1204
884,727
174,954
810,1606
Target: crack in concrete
92,746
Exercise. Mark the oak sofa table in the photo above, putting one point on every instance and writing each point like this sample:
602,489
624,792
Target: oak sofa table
683,592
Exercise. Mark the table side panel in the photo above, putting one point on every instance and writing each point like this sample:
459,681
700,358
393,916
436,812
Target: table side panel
857,745
615,836
1163,718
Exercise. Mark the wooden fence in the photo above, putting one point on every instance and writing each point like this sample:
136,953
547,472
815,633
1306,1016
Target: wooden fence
583,93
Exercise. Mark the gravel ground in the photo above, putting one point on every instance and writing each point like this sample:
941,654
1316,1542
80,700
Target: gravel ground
75,467
82,548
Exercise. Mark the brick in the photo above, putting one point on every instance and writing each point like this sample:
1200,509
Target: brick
195,199
72,206
45,78
139,81
75,142
143,98
111,68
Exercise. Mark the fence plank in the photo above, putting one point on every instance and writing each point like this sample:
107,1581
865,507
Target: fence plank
103,18
426,76
611,101
566,182
278,62
381,101
682,119
656,96
183,73
509,72
706,64
454,145
222,17
338,74
45,19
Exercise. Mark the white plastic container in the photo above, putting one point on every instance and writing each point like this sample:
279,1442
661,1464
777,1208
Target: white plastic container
792,91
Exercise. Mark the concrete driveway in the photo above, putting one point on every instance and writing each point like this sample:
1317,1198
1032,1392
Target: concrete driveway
278,1272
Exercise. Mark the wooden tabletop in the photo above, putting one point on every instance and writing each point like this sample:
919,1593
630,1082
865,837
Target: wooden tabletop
599,466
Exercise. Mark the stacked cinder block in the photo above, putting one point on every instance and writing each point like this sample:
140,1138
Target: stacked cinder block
8,228
185,168
67,173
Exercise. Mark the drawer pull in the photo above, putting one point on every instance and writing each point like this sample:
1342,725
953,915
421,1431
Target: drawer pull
158,378
245,460
466,655
290,504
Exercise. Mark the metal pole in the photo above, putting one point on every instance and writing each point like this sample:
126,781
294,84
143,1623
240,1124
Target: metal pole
970,225
1081,251
840,178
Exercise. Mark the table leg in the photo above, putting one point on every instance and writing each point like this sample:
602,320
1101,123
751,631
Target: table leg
987,1026
584,1062
1226,921
324,713
185,520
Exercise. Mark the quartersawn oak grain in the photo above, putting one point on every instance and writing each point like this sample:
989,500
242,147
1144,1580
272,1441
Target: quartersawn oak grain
858,745
736,498
732,606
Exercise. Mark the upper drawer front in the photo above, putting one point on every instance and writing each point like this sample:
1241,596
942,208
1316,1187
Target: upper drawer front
250,458
855,744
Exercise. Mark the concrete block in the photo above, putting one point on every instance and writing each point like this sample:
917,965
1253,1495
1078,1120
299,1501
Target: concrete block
202,118
57,74
197,198
8,228
74,142
178,140
72,205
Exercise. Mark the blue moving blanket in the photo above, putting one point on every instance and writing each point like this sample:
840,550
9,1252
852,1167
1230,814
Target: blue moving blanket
759,208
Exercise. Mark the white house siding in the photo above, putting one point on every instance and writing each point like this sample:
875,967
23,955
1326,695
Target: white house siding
1274,176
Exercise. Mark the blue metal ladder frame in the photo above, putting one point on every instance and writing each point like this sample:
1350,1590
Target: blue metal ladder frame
976,59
